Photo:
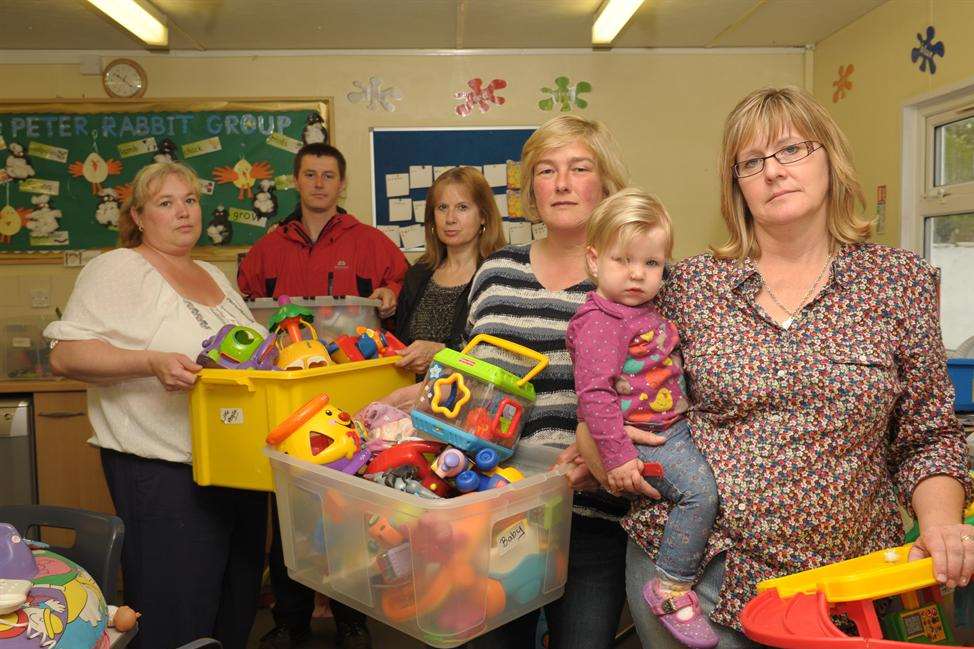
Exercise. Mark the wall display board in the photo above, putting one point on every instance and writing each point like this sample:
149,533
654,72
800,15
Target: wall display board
66,167
405,161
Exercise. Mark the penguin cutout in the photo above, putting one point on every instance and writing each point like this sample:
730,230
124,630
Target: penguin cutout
43,220
314,129
19,165
265,199
220,230
166,151
109,206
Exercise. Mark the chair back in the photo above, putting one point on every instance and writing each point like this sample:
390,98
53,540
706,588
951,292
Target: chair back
97,543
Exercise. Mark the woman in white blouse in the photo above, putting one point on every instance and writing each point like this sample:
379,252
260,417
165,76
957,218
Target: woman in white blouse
192,555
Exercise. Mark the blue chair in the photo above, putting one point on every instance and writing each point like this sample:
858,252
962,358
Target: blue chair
97,543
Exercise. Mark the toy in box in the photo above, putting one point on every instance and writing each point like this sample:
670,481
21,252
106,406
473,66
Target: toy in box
891,601
474,405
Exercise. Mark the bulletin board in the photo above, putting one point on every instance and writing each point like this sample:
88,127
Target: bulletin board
66,167
406,160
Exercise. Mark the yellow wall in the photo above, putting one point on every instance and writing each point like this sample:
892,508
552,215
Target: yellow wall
666,109
878,45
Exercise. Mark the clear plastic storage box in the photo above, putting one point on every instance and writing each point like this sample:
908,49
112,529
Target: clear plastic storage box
334,316
443,570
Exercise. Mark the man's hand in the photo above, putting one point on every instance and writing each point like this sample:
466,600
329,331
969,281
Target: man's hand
388,299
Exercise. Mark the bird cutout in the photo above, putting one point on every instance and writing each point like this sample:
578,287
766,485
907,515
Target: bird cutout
166,151
95,170
18,165
220,229
842,84
243,175
565,95
43,219
479,96
109,208
265,199
12,219
315,130
926,50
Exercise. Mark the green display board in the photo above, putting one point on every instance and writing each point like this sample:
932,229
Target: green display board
67,167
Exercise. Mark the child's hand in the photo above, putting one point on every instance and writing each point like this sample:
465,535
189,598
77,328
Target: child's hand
628,478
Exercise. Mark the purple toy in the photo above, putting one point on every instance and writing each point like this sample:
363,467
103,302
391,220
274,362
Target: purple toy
235,347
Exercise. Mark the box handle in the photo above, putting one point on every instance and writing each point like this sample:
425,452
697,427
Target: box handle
514,348
220,377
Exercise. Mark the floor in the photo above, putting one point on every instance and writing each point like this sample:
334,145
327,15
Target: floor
383,637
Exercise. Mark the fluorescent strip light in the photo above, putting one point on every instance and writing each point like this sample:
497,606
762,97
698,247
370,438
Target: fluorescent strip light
610,20
135,18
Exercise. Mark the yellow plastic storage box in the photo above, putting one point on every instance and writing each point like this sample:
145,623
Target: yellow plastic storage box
231,412
441,570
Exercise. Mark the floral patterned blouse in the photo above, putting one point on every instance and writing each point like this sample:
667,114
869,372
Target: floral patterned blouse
814,431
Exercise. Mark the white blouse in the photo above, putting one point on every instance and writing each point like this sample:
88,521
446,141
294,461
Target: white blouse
120,298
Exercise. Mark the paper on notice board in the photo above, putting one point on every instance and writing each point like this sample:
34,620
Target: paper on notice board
400,209
419,211
391,231
412,236
420,176
438,171
397,185
539,230
496,175
501,200
519,233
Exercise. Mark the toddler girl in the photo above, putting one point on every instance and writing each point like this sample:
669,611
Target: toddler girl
628,372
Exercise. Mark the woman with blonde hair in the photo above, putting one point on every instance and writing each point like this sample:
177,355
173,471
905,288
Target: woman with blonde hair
463,227
192,557
817,373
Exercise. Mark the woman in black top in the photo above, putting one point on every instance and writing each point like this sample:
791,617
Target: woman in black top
463,227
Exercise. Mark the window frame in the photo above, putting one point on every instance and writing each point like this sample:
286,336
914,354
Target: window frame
920,199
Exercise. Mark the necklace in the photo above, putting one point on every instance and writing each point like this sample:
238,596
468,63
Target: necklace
790,320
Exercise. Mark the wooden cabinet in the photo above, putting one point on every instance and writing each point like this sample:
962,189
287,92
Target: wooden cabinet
69,472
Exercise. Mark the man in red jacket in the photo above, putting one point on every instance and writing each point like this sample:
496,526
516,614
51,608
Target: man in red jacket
318,250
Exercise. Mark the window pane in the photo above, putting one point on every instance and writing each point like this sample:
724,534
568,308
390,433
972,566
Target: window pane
950,247
954,153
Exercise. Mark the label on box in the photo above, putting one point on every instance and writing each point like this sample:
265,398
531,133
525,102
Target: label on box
231,416
510,537
21,342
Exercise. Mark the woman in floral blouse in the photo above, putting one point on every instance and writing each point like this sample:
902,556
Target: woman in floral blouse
818,376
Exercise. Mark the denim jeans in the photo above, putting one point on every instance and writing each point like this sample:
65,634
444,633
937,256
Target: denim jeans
652,635
688,483
587,615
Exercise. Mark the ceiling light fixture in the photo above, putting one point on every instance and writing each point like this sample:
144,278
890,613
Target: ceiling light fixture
137,17
611,17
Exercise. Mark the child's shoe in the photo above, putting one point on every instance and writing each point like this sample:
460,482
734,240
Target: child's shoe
681,616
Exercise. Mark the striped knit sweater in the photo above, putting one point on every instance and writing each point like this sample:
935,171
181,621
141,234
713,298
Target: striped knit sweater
506,300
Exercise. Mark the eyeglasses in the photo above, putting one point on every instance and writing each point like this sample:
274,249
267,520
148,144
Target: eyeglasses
786,156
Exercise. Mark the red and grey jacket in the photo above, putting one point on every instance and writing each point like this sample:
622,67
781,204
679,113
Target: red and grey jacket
348,258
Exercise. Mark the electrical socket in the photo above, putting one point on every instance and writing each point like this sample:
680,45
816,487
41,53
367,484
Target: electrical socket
40,298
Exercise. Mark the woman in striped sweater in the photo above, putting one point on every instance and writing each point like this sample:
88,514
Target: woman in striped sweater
527,294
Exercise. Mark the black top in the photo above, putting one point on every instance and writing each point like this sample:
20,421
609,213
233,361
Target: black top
414,286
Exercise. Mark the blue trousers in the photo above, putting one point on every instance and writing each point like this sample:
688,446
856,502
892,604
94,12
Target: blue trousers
192,556
689,484
652,635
